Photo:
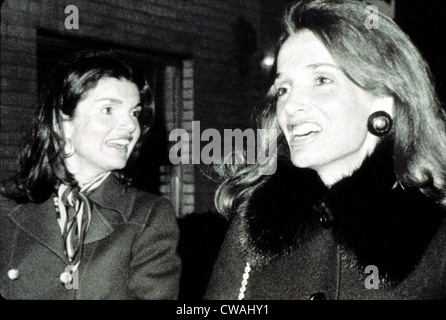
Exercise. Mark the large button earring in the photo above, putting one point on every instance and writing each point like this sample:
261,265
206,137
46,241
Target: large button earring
379,123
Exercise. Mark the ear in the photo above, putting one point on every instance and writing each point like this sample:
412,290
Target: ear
64,116
385,103
65,127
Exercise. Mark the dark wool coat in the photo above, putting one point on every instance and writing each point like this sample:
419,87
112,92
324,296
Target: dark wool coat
304,241
129,251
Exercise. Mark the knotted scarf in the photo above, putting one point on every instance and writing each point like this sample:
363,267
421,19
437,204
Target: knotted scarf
75,216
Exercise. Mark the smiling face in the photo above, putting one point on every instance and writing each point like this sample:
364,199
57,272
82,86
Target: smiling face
321,112
104,129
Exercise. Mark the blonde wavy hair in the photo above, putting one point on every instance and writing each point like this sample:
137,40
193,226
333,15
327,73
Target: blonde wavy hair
382,61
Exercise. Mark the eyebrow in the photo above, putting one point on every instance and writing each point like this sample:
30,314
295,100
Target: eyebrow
317,65
109,99
117,101
314,66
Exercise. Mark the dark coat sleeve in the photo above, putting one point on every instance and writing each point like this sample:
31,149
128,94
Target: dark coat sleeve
227,274
155,264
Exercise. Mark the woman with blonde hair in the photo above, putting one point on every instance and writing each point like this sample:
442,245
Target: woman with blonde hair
355,209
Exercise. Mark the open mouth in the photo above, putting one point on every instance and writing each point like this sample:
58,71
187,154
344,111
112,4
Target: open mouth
304,130
120,144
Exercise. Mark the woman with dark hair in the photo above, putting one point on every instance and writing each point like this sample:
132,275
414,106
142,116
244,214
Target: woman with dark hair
355,209
71,225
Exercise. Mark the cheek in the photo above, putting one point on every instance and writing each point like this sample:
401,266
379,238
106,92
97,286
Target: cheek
138,130
348,126
136,136
349,111
97,129
91,131
137,133
281,117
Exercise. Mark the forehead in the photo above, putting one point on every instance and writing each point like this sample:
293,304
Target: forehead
303,49
113,88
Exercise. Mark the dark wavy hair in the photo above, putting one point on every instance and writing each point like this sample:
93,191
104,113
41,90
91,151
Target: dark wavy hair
41,161
381,61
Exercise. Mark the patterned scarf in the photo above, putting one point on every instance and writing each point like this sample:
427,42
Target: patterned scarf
74,210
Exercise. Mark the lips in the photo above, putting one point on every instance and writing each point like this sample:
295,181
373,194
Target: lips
303,130
121,143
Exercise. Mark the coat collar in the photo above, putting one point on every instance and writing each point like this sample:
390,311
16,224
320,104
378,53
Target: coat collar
110,206
38,220
370,216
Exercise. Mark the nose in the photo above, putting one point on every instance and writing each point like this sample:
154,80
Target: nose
298,101
128,124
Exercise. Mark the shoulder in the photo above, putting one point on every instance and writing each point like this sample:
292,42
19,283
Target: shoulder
141,206
439,239
434,259
153,214
135,205
7,205
147,203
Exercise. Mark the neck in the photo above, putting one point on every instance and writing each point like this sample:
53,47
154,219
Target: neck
333,174
82,171
87,182
339,169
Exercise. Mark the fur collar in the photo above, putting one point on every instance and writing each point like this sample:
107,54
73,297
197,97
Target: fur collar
370,215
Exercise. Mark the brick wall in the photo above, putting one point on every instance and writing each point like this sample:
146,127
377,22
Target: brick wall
217,90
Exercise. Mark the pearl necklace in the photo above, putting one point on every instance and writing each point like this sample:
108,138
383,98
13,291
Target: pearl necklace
241,295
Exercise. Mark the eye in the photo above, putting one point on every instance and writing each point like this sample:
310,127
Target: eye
281,91
107,110
321,80
136,112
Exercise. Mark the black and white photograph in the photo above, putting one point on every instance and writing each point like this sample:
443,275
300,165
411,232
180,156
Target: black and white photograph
222,158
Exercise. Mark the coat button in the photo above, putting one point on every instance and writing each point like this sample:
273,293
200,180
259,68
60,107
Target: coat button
65,278
13,274
317,296
325,214
326,220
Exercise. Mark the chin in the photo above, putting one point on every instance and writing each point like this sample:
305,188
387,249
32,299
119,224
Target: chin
117,165
304,162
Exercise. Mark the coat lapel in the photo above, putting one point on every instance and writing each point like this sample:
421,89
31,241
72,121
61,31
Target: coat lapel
39,222
99,228
110,206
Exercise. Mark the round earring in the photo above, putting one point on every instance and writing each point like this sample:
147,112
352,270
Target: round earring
379,123
71,149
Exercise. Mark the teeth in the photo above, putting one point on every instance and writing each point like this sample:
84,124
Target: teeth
120,142
304,129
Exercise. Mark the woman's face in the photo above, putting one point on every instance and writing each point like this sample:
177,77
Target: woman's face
104,128
322,114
